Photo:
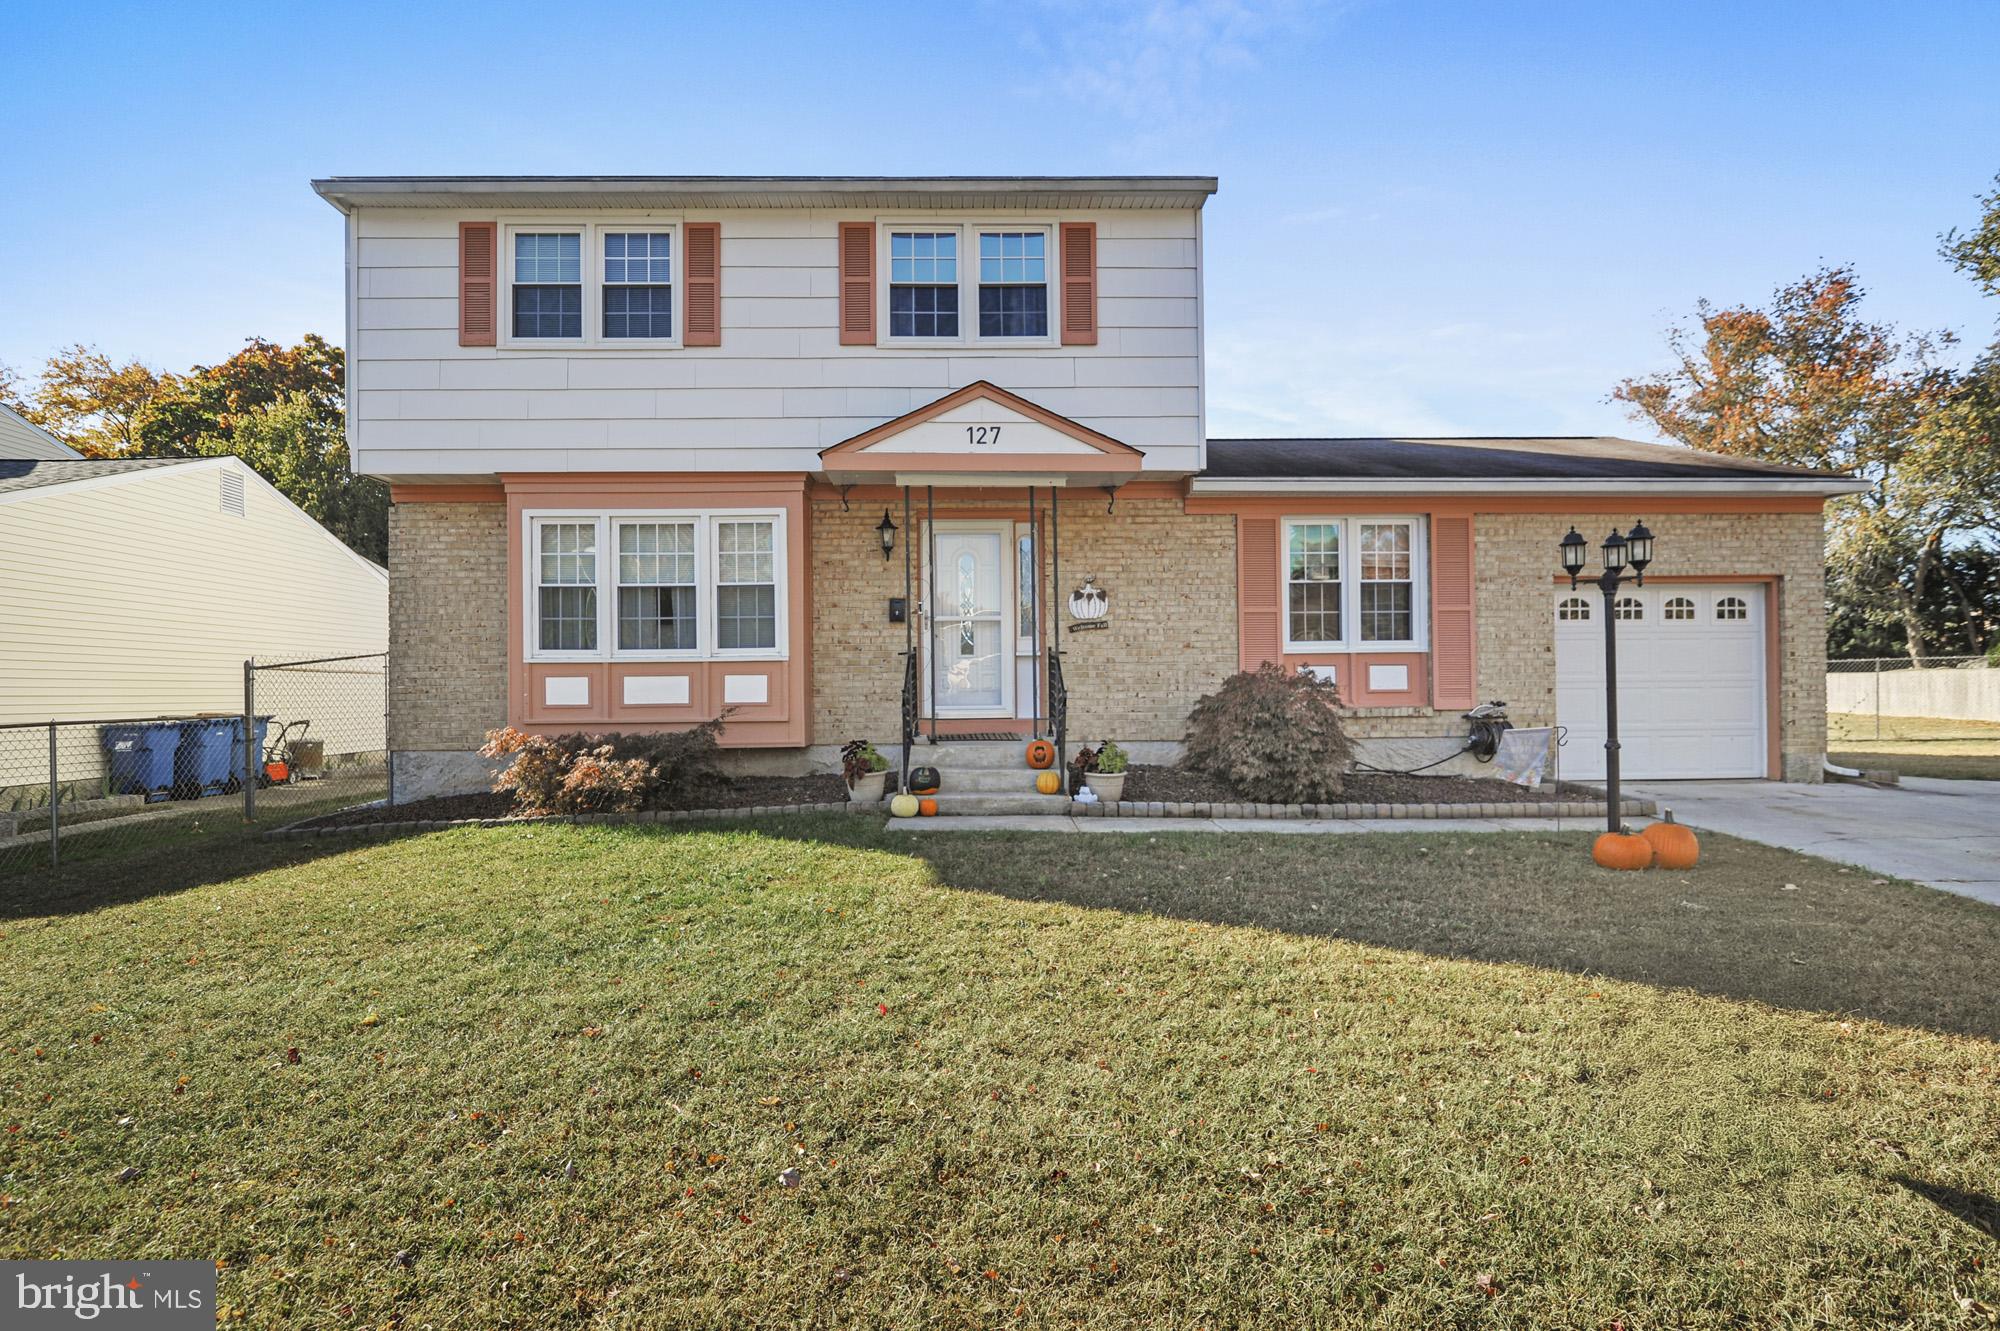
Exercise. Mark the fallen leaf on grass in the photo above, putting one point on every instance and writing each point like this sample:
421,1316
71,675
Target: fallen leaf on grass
1485,1284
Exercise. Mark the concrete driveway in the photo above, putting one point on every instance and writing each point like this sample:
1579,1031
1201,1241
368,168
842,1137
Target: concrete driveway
1943,833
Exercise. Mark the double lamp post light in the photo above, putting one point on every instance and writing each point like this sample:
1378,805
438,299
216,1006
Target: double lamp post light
1633,550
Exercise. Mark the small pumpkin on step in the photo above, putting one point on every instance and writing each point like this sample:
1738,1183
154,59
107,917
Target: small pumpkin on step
1622,850
1041,754
1048,783
1674,844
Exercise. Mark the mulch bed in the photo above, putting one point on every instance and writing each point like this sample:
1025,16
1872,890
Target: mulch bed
743,793
1173,784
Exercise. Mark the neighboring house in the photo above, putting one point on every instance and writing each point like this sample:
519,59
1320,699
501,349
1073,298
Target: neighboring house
21,438
646,436
136,587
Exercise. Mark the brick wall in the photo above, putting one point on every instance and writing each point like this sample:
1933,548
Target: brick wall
1171,578
447,625
1515,561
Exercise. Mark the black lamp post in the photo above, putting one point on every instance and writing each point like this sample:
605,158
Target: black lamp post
1633,550
887,531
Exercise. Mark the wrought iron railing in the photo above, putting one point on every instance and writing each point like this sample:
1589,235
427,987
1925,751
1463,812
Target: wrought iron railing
909,713
1058,710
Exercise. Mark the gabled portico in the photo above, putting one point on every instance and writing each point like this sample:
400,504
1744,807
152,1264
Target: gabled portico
981,648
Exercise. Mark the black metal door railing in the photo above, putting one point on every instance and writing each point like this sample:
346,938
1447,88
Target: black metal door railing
909,713
1058,710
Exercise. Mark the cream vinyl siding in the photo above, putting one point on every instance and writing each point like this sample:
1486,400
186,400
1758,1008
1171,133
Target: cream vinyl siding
19,440
138,596
780,387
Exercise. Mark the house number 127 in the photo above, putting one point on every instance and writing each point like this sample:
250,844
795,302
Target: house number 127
979,436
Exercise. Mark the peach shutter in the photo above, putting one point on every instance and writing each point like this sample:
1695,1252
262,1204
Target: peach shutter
701,315
1454,681
857,284
1258,596
1079,284
478,285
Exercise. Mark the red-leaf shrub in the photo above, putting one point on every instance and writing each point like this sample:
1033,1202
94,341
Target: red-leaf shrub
1273,734
563,774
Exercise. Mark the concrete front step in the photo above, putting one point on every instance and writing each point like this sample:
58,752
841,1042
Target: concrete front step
970,753
1053,805
987,780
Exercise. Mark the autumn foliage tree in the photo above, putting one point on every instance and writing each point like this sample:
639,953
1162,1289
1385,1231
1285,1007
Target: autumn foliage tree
1808,381
84,399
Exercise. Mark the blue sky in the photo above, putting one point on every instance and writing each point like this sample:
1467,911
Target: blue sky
1447,218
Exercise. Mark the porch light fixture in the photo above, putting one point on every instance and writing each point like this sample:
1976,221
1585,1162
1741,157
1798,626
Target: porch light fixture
1633,550
887,531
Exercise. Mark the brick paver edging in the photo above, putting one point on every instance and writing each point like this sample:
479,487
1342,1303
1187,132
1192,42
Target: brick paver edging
645,816
1198,809
1121,809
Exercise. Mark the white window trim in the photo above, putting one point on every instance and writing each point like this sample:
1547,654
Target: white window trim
968,281
607,582
592,244
1350,583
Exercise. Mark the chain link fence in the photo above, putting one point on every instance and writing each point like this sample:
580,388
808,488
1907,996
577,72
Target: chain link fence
1892,699
311,737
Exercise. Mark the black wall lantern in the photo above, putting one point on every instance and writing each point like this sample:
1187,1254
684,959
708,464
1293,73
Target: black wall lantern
887,531
1632,550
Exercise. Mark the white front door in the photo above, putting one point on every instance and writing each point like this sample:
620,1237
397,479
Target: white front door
1691,685
971,603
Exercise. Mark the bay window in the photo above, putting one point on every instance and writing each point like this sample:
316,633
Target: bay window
1353,584
671,585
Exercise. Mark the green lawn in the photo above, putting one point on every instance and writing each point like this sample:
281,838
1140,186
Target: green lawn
549,1076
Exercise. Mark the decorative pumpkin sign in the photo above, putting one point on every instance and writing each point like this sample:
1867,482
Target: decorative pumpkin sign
1622,850
924,780
1048,783
927,808
903,806
1673,844
1041,754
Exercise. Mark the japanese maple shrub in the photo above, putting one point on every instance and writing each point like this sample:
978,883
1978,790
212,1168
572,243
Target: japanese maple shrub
1274,735
614,773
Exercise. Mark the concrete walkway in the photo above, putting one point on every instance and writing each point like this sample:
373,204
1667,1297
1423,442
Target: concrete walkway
1295,826
1943,833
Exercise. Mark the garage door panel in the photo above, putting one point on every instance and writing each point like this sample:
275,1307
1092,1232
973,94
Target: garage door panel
1691,696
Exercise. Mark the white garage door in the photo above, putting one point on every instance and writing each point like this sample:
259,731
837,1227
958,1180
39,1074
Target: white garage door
1690,681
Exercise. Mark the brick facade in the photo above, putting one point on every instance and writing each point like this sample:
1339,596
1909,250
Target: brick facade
447,625
1172,635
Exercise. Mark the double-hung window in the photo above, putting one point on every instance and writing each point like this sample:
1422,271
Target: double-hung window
923,284
638,284
1013,284
650,586
967,283
1353,584
548,284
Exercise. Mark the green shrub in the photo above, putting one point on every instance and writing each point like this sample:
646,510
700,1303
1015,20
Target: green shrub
859,758
1274,735
1111,759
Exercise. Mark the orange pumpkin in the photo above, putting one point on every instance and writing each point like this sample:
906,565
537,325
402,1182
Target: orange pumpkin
1622,850
1048,782
927,808
1674,845
1041,754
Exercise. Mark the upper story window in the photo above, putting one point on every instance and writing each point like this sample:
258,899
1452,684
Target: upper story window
967,284
1354,584
548,284
1013,284
655,586
591,284
923,284
638,284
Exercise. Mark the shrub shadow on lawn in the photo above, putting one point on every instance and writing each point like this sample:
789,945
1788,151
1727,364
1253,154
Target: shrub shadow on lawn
1752,922
1974,1208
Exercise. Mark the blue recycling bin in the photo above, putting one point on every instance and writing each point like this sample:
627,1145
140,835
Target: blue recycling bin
210,757
140,756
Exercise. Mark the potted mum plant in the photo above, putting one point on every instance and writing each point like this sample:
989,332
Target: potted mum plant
1106,772
865,770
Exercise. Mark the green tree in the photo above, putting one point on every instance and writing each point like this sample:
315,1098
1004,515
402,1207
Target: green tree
300,448
208,401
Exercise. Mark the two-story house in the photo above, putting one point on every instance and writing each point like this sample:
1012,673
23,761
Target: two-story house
856,457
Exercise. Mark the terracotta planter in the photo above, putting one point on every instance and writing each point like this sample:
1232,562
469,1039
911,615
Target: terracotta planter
1110,786
868,789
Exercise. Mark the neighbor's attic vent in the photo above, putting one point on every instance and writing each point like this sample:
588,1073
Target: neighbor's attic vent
232,492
